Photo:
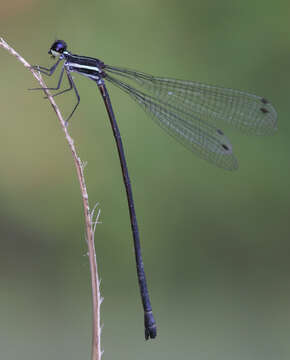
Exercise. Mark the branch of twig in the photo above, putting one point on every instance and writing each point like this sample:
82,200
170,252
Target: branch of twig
90,224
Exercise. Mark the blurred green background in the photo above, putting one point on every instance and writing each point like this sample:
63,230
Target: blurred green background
215,243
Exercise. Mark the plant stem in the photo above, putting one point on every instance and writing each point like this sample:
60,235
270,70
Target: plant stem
96,298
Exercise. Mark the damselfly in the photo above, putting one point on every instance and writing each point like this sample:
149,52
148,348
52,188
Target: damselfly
187,110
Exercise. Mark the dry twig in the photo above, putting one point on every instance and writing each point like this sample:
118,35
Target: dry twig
90,227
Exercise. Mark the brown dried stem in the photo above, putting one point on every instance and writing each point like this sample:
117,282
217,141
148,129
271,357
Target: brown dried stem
96,343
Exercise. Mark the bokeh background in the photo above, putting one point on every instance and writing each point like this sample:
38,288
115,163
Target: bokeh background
215,243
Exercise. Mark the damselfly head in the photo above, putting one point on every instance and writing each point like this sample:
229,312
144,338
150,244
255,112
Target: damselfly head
57,48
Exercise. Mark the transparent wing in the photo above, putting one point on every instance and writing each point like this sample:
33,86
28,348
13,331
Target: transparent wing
187,127
249,113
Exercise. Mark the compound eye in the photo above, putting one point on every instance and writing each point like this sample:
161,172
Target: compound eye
58,46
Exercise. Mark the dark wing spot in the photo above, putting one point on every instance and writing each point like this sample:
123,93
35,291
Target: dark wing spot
225,147
265,111
219,132
264,101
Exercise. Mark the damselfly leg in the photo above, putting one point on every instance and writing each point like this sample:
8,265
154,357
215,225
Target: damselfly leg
49,72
